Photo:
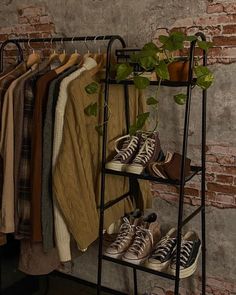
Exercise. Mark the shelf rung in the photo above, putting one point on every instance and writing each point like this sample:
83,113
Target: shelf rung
139,267
113,202
191,216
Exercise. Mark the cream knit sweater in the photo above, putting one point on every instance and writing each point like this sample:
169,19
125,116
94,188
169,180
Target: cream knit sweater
62,234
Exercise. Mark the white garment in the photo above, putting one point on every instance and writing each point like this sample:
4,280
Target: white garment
62,234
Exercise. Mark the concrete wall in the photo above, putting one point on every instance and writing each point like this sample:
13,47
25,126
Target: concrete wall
138,22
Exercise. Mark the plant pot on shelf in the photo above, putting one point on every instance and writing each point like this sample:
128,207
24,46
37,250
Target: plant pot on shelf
178,70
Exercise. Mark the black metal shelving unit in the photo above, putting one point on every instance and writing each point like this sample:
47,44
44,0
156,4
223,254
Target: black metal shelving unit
133,179
133,183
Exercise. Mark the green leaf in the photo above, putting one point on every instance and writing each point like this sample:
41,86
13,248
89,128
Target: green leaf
141,119
133,129
191,38
180,98
147,62
151,47
204,77
204,45
123,71
163,39
91,109
162,70
99,129
141,82
91,88
174,41
151,101
134,57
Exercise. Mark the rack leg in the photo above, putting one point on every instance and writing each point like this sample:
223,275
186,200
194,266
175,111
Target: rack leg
135,281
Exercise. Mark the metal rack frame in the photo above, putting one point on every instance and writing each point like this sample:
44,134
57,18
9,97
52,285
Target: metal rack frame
133,188
133,179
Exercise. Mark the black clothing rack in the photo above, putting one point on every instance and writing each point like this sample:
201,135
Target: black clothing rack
133,179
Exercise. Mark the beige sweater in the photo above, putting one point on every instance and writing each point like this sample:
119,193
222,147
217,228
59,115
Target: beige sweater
62,233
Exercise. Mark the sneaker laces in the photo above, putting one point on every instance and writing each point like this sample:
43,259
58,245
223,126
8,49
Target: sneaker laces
145,152
122,236
186,249
129,146
140,241
164,247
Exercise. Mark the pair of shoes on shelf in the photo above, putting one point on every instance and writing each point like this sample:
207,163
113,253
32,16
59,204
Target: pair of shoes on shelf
136,238
163,258
136,152
170,168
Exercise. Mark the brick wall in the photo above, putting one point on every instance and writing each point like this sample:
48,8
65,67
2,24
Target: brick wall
219,24
34,21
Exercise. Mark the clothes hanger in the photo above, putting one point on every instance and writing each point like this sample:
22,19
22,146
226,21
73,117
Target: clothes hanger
54,55
33,58
73,60
63,57
88,54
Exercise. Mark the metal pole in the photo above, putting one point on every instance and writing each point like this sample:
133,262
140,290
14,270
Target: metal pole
135,281
104,146
184,154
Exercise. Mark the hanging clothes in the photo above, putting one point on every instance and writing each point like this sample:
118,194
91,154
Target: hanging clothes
5,82
48,130
62,233
23,167
41,91
7,152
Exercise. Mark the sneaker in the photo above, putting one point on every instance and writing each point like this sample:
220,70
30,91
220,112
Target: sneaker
126,154
125,236
149,151
163,252
146,237
190,251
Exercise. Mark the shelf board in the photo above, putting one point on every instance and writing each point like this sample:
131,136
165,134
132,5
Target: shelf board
194,170
163,83
139,267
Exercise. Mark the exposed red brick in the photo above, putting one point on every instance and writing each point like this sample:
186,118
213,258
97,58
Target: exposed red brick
222,52
44,27
210,196
224,179
229,29
215,20
191,192
216,187
235,180
32,10
215,8
229,7
222,169
224,40
178,29
3,37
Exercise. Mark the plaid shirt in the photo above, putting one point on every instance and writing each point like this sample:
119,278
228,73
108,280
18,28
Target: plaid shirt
24,176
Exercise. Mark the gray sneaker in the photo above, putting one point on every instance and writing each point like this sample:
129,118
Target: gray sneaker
125,236
149,151
163,252
147,235
127,152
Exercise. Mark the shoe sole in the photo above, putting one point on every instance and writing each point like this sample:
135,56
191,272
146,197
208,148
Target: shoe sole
133,261
158,266
116,256
187,272
134,169
116,166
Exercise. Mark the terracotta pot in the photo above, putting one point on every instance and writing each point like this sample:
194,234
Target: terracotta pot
178,70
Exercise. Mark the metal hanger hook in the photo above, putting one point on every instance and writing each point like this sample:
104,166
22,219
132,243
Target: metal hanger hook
63,45
30,47
72,42
95,42
85,43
